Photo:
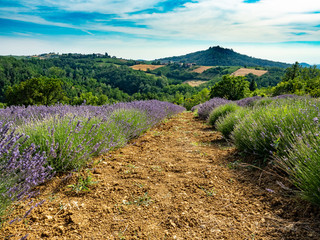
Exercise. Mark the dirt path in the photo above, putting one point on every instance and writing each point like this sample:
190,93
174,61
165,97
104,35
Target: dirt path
175,182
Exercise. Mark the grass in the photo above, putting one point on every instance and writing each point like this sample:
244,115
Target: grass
209,193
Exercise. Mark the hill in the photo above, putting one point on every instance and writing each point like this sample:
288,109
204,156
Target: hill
218,56
308,65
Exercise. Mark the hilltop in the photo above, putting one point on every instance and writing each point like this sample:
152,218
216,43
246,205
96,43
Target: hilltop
218,56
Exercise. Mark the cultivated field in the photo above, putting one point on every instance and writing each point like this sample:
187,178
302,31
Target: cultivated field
246,71
180,180
145,67
201,69
194,83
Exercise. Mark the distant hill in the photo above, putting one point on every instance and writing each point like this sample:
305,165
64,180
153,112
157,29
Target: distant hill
308,65
218,56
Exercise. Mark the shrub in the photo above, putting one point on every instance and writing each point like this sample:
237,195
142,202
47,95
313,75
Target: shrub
20,168
221,111
267,131
64,138
231,87
205,109
248,102
302,163
71,140
227,123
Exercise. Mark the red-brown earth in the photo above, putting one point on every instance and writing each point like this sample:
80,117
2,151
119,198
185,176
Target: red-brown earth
180,180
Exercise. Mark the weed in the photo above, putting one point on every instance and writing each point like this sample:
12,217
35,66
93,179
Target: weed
52,197
140,185
156,168
131,169
157,133
83,183
209,193
234,165
121,233
195,144
140,200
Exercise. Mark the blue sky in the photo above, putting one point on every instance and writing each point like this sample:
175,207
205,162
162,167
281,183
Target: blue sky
280,30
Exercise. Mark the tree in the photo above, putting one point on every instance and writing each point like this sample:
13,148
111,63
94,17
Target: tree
196,99
89,99
292,72
292,86
253,85
36,91
230,87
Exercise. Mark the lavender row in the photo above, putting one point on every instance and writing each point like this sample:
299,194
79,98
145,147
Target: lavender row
20,169
20,114
204,109
38,141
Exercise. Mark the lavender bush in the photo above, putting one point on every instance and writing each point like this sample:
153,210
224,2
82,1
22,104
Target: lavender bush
301,162
226,124
71,138
35,141
284,129
20,169
248,102
268,131
205,109
221,111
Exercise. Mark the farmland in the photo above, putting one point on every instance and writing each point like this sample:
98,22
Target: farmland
179,180
145,67
201,69
194,83
246,71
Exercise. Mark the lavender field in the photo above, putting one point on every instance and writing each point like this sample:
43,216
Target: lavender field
36,142
282,131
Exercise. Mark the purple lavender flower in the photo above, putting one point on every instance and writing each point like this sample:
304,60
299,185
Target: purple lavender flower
205,109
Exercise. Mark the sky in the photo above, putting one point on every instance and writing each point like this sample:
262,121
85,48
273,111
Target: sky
279,30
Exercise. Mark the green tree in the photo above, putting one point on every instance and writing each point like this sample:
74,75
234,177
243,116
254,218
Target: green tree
292,72
89,99
253,85
36,91
200,97
230,87
295,86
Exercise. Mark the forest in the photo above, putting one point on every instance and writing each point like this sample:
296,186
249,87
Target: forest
97,79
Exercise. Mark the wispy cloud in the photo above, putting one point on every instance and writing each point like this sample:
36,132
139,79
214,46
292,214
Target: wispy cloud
155,21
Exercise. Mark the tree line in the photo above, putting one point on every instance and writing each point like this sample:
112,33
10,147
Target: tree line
96,80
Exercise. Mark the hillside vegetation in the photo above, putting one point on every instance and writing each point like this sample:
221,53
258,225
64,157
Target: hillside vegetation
218,56
97,79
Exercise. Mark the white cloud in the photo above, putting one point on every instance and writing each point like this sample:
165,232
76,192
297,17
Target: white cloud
267,21
101,6
198,25
150,49
227,20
